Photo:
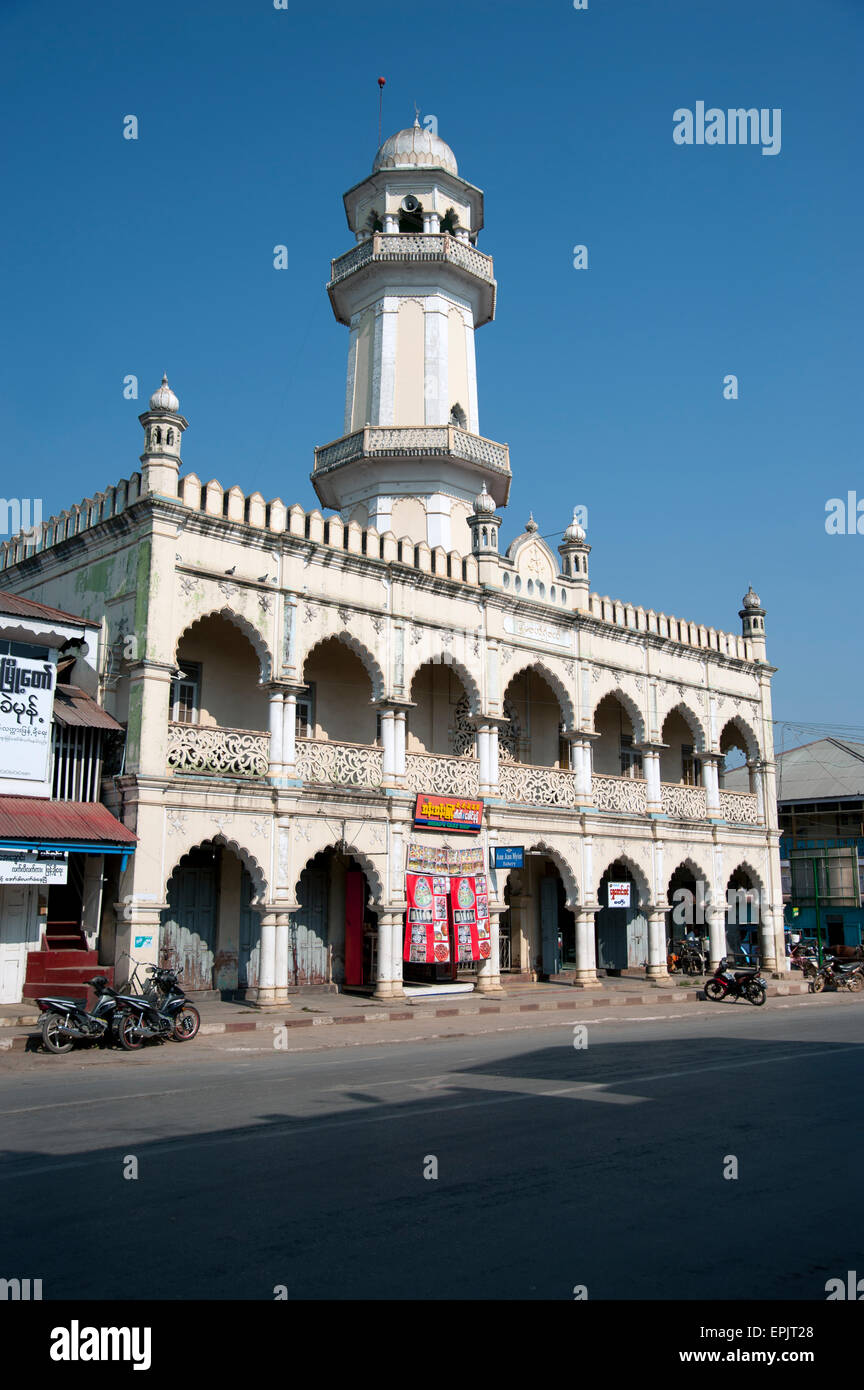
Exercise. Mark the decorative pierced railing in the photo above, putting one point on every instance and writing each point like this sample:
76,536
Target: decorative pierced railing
686,803
345,764
412,246
537,786
624,794
446,776
418,441
740,807
230,752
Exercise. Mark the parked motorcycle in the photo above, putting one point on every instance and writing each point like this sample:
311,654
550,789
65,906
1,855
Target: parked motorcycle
67,1021
735,984
833,974
161,1012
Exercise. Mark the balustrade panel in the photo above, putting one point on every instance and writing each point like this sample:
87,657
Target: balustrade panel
740,807
624,794
685,803
229,752
344,764
442,774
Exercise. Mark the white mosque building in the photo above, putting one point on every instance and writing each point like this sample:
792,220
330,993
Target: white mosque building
323,708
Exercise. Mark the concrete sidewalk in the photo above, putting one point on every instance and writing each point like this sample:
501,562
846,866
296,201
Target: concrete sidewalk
19,1022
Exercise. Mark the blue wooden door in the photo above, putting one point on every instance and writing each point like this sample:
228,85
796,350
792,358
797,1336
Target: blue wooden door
308,939
250,936
549,926
188,934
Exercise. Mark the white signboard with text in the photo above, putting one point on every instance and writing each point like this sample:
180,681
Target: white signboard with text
26,709
33,866
619,895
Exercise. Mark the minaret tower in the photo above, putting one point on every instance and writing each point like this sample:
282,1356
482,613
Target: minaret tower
574,551
752,617
163,428
411,458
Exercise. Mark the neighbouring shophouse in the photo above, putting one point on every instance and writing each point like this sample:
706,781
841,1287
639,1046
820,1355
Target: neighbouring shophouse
57,841
338,716
820,808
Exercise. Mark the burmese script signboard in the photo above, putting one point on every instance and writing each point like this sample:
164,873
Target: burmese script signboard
448,813
33,866
26,708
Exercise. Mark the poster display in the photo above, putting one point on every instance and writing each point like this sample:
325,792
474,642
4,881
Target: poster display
26,709
440,859
427,925
469,906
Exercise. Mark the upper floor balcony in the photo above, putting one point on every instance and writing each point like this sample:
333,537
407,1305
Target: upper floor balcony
415,249
336,731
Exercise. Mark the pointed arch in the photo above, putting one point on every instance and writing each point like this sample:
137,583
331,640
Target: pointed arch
371,665
243,853
565,699
693,721
640,877
469,681
627,702
748,734
248,629
568,876
363,858
748,867
698,871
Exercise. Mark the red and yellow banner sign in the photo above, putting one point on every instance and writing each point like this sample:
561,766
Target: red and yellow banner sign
448,813
427,926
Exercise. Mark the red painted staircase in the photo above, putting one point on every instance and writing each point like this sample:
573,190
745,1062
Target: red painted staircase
62,970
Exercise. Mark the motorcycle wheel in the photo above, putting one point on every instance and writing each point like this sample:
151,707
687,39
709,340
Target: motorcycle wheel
187,1023
127,1035
52,1037
817,984
756,994
714,990
856,982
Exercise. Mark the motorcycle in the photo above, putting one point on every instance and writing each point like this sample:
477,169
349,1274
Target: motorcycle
836,975
735,984
161,1012
67,1021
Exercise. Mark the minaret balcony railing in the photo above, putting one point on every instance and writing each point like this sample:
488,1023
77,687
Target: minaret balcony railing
413,246
417,441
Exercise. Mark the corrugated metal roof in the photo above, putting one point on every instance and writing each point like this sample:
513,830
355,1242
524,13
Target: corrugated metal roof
32,818
78,710
29,608
830,769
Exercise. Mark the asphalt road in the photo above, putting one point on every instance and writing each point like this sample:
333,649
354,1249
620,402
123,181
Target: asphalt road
557,1166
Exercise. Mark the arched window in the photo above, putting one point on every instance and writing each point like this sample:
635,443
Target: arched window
449,222
169,439
157,435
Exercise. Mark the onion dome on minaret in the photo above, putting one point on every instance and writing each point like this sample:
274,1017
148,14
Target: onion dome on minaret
163,427
415,148
752,616
484,524
163,398
574,551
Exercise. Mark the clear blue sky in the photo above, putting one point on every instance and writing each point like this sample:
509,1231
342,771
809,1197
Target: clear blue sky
133,257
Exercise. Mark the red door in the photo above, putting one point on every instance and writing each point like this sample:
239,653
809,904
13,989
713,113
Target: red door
355,902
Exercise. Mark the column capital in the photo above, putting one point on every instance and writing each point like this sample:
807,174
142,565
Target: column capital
651,746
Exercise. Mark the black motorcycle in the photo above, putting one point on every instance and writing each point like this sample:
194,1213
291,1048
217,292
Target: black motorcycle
735,984
161,1012
67,1021
836,974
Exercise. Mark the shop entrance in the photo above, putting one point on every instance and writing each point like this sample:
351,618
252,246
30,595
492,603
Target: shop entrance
208,928
621,932
333,933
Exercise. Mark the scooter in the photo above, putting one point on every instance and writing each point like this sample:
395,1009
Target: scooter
162,1012
735,984
66,1021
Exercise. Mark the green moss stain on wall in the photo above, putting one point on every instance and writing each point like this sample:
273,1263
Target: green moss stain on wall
133,734
142,594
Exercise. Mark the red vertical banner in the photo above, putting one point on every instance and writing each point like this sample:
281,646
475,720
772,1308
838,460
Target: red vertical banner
427,940
355,901
469,907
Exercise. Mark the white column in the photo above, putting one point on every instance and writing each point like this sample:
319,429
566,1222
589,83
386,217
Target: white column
289,735
586,954
280,969
757,786
388,743
388,974
492,754
384,372
483,755
651,766
716,934
657,943
267,962
438,512
489,971
399,748
582,752
275,734
711,781
436,390
391,224
768,940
